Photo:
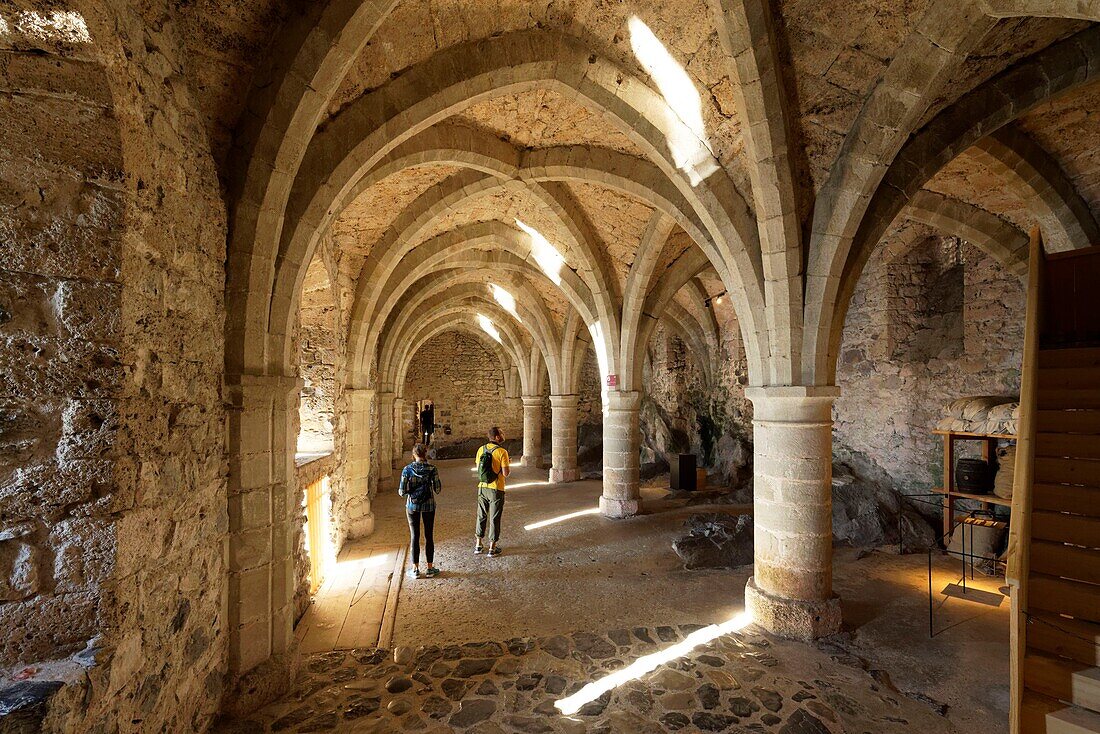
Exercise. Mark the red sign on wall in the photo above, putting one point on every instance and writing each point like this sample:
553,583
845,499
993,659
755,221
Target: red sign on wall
612,380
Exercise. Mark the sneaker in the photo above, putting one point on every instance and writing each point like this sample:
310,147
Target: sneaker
479,549
414,573
433,571
492,552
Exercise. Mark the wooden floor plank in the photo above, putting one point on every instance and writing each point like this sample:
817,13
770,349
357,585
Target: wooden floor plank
348,610
367,606
330,609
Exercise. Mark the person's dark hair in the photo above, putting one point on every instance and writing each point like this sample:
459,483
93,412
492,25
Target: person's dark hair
495,434
420,451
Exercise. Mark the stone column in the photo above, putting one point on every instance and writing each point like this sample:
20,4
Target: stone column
398,434
621,455
262,516
383,417
563,431
791,591
532,430
357,462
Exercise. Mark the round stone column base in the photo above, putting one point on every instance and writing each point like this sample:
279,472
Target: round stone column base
360,527
610,507
561,476
796,619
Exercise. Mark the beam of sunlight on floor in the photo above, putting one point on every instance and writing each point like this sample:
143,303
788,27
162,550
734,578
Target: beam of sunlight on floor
648,663
528,484
358,564
561,518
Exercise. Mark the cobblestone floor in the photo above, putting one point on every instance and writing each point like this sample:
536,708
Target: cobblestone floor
741,682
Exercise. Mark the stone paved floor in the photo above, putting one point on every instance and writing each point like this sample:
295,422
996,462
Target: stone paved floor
590,573
740,682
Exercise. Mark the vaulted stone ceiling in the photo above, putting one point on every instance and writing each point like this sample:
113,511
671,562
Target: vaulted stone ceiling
833,58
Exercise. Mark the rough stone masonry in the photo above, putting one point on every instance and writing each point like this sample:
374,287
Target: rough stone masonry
764,232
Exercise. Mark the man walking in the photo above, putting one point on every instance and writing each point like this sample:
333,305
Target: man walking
427,421
492,468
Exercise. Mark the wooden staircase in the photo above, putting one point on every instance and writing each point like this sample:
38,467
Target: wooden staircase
1054,561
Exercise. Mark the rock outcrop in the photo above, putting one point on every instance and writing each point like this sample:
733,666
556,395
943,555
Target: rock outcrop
716,541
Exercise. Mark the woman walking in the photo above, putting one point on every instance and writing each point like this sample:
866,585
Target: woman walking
419,486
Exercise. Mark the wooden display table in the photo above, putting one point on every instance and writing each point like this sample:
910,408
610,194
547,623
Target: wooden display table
950,494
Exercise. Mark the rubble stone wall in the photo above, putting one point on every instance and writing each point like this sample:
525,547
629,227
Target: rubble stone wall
933,319
322,413
465,381
112,466
681,413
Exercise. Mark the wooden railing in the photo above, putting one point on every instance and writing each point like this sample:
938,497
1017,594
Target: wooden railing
1019,543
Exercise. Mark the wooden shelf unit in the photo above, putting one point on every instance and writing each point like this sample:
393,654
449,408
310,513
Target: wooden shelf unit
950,494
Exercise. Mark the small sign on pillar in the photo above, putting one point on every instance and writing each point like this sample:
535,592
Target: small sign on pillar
612,380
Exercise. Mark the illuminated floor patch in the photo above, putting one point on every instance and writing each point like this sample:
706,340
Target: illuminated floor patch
562,518
649,663
692,678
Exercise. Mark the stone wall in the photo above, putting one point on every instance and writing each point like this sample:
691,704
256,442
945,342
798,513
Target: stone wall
933,319
112,481
465,381
322,411
681,413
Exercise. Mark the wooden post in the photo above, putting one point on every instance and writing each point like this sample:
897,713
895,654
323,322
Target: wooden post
1019,538
948,485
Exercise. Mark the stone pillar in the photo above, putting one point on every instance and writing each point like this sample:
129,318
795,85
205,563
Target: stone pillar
532,430
563,432
791,591
621,455
398,434
383,417
357,463
262,517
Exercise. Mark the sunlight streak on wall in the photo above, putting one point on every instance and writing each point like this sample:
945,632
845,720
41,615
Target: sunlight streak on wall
648,663
686,133
547,256
506,300
600,345
488,327
67,26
